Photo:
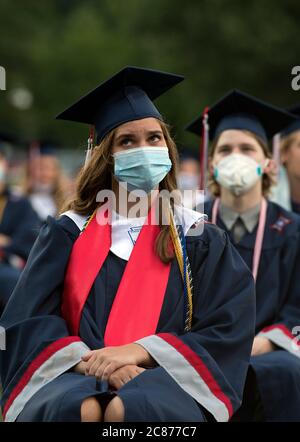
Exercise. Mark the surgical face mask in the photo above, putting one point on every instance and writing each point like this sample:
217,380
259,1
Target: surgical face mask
238,173
142,167
187,181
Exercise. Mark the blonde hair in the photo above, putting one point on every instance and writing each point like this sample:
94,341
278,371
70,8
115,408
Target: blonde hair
97,176
268,180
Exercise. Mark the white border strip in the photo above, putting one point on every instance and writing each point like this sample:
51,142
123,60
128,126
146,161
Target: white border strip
185,375
282,340
56,365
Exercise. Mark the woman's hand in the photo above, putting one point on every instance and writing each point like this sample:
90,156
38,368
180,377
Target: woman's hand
102,363
123,375
261,345
80,367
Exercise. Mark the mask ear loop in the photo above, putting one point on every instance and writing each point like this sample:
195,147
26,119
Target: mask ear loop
267,162
90,145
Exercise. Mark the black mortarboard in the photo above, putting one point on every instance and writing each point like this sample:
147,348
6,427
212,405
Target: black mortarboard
295,125
187,153
42,147
238,110
47,147
126,96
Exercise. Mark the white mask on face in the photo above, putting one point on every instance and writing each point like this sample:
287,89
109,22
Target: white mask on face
238,173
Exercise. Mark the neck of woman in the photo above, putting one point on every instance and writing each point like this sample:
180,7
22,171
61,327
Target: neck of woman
242,203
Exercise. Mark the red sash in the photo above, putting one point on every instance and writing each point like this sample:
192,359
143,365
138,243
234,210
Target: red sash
137,305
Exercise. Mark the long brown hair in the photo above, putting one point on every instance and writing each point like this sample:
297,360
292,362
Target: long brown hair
97,176
268,180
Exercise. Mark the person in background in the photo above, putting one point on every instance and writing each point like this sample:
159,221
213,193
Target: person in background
188,179
19,226
287,191
189,172
267,237
45,182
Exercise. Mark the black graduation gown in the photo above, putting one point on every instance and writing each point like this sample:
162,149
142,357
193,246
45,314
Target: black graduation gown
203,369
295,207
277,310
21,224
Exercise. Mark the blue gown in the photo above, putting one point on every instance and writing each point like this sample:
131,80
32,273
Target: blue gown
21,224
295,207
199,375
277,373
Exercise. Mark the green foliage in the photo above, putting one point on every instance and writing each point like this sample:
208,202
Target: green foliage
61,49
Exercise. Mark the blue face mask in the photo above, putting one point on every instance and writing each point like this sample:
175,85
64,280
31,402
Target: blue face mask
142,167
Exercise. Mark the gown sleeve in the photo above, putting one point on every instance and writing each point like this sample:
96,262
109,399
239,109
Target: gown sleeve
38,346
210,362
284,332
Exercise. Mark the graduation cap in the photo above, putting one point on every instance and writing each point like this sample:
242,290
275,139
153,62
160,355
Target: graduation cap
43,147
126,96
295,125
48,147
238,110
187,152
186,155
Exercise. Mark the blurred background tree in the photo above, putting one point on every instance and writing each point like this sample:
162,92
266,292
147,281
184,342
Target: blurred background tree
56,50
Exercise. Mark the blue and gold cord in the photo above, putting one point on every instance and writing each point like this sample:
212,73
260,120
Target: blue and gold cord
179,243
88,220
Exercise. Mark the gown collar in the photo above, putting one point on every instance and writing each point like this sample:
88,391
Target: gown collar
125,231
249,217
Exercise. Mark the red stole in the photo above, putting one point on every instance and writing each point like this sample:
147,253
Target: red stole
137,305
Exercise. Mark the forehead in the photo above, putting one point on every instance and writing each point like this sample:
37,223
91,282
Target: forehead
48,160
145,124
235,136
297,135
44,160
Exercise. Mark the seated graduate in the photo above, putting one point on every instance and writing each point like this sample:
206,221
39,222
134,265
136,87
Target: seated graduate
45,184
19,227
287,191
128,319
268,239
